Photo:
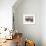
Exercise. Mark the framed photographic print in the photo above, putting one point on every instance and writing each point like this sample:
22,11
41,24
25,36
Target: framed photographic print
28,19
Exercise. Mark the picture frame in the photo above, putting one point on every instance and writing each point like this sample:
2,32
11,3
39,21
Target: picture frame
28,19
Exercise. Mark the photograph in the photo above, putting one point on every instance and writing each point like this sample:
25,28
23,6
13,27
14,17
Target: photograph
22,22
28,19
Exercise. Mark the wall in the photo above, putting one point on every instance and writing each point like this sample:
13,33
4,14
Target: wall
43,22
30,31
6,13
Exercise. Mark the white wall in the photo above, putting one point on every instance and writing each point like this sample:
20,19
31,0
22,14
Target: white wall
29,31
6,13
43,22
37,7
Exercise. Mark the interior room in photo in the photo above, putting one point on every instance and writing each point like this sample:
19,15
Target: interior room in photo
32,28
22,22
